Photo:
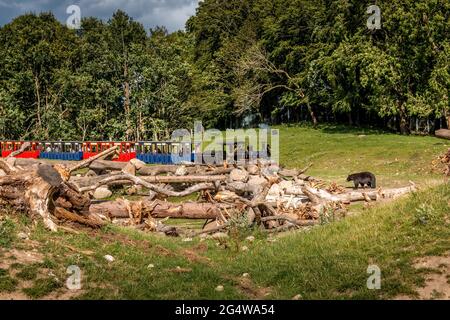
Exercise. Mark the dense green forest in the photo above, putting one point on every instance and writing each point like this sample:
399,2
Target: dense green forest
239,62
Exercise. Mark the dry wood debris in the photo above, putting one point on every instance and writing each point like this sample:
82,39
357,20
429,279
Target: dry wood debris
267,195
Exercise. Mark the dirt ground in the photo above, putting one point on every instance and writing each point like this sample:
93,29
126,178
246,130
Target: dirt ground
28,257
437,279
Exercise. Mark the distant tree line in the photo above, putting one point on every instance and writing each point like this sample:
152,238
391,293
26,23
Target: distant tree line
239,62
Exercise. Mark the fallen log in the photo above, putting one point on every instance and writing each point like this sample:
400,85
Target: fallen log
22,148
86,182
156,209
87,162
32,191
64,214
319,195
152,187
19,162
37,189
443,134
100,166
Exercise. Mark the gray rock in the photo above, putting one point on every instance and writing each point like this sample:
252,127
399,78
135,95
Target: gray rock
239,175
102,193
253,169
219,288
22,235
91,173
109,258
257,180
181,171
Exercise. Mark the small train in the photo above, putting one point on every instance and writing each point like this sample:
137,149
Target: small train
150,152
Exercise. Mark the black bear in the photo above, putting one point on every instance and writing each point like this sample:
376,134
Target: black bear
363,179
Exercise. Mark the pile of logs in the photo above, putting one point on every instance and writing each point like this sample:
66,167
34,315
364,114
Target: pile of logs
442,164
261,192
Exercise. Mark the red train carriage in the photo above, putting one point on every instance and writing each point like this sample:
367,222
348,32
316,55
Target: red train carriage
8,147
127,150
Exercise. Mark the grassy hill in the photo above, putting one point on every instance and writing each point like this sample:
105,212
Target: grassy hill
324,262
337,151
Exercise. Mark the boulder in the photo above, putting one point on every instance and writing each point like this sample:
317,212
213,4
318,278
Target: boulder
257,181
181,171
239,175
90,173
132,191
109,258
275,190
102,193
253,169
138,164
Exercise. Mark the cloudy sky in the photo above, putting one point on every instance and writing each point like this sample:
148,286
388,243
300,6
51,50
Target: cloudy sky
170,13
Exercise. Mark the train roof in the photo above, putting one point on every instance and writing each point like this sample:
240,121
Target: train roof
20,141
60,142
166,142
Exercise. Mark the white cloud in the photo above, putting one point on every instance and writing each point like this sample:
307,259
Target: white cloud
171,13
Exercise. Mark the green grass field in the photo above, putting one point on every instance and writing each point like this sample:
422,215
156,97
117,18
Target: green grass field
325,262
338,151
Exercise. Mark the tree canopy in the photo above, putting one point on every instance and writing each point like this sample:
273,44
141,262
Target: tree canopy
239,62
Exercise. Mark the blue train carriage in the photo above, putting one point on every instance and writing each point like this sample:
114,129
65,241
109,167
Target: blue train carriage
61,150
152,152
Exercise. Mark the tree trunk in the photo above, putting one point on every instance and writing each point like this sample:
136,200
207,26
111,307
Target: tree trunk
404,123
155,209
350,120
31,191
38,97
319,195
313,115
84,182
443,133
